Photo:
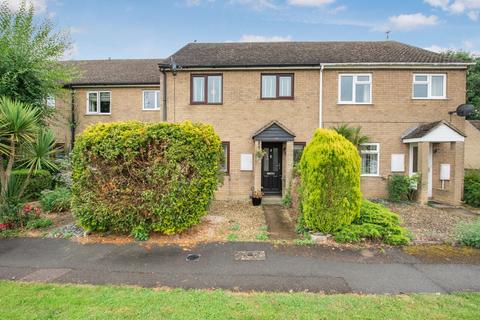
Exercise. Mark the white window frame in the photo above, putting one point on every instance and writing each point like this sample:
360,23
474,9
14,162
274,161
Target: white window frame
354,83
157,100
98,103
371,152
428,82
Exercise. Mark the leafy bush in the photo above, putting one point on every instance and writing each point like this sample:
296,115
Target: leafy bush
401,188
39,181
330,182
39,223
375,222
133,177
57,200
469,234
471,193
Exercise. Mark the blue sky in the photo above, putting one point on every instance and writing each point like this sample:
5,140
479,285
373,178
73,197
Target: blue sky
156,28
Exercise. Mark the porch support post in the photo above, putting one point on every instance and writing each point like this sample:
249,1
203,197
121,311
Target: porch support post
288,166
257,167
423,149
458,172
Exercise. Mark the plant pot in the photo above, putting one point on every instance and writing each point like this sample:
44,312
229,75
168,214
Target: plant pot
256,201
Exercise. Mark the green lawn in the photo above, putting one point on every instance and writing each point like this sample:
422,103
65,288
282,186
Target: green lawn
45,301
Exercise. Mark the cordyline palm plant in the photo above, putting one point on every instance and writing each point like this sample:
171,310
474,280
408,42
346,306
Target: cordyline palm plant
22,140
352,134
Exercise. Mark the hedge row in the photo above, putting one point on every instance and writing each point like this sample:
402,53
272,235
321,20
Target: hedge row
133,177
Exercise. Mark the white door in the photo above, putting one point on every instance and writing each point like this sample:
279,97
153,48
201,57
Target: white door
430,170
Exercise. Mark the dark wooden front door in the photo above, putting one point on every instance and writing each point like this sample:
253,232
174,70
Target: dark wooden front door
272,168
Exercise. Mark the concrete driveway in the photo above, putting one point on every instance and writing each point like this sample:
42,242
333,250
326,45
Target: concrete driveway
235,266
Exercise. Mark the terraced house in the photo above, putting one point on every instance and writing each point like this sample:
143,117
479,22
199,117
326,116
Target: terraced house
265,100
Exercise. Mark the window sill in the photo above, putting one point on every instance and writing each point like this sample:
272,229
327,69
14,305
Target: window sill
430,99
206,104
354,104
158,109
98,114
370,175
280,98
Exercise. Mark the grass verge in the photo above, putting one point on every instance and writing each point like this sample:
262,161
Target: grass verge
47,301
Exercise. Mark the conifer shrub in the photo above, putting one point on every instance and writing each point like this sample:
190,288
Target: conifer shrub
134,178
330,182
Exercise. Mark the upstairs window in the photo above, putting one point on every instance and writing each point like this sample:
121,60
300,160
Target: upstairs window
429,86
206,89
277,86
355,89
151,100
370,153
98,102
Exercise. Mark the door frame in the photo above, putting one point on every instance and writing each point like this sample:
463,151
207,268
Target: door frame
280,155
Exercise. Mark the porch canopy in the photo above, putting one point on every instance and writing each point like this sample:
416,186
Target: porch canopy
273,132
422,140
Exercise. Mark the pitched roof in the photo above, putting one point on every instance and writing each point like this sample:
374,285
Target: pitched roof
302,54
273,131
126,71
475,123
424,129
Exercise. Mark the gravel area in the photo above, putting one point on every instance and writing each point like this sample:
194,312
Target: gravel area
430,224
67,231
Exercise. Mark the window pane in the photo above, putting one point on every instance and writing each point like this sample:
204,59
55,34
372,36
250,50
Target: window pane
224,164
363,78
269,86
414,159
420,90
437,86
92,102
214,89
368,148
149,99
158,98
369,163
362,93
297,152
346,88
421,78
104,102
198,89
285,86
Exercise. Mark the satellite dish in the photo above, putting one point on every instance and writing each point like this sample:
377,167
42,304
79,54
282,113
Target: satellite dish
464,110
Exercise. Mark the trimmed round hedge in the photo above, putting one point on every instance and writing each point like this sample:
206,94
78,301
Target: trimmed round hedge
133,177
330,182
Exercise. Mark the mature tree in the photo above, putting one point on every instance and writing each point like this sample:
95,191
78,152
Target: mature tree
473,80
30,50
352,134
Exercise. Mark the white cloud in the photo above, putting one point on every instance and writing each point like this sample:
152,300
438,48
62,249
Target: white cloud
310,3
71,53
258,38
469,7
438,49
466,46
407,22
337,9
76,30
38,5
257,5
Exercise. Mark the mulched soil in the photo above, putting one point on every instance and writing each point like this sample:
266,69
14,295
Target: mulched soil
430,224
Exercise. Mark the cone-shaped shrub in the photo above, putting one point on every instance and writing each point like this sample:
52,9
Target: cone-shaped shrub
132,177
330,182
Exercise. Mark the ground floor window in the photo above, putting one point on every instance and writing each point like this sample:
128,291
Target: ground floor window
297,151
225,164
370,155
413,159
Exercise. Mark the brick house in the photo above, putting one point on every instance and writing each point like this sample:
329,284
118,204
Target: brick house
266,99
472,144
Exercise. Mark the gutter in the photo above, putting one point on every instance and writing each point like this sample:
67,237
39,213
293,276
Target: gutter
73,124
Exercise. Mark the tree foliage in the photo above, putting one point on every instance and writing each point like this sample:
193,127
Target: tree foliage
30,70
330,182
473,80
352,134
